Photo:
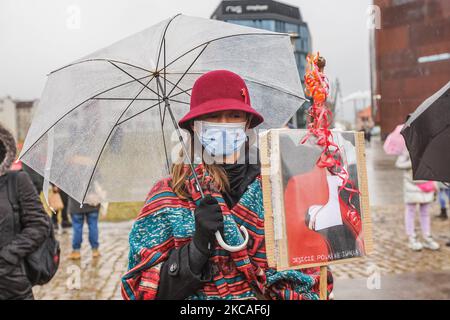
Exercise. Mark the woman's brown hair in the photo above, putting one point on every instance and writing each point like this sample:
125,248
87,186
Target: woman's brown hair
181,171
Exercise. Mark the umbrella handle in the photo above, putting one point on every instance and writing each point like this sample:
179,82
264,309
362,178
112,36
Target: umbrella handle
186,153
233,248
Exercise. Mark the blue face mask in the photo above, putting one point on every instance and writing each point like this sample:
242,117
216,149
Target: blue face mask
220,138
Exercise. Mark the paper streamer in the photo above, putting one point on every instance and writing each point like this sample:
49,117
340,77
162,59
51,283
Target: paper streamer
319,123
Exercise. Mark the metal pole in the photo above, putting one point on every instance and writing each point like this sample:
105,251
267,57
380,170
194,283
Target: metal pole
180,137
183,145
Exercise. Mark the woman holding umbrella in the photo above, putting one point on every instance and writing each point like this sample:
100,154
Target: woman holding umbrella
173,251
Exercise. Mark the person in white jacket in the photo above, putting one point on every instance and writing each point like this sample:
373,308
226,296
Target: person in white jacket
414,195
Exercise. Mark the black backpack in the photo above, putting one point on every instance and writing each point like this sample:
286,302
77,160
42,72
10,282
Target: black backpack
42,264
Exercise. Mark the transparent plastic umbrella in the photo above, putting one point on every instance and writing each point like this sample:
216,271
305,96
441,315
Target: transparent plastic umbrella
106,125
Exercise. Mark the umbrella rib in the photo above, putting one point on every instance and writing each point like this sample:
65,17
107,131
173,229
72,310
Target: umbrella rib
164,113
161,119
427,147
183,102
221,38
165,81
164,38
190,66
254,81
136,114
101,59
172,83
76,107
144,86
152,106
109,135
147,70
179,93
120,99
276,88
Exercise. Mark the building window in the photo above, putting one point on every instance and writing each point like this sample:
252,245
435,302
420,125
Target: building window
280,26
292,28
259,24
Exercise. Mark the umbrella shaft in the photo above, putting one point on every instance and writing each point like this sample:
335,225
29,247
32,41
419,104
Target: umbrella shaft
183,145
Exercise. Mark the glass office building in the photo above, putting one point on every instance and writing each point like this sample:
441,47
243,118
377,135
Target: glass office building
273,16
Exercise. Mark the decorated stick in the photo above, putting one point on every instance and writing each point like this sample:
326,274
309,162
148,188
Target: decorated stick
319,122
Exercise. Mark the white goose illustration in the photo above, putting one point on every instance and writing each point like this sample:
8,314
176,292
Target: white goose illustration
328,215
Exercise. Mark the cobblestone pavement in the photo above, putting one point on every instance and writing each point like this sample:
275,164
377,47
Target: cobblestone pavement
399,270
89,278
393,269
391,254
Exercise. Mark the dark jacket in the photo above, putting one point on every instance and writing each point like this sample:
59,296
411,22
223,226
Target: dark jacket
74,207
187,267
36,178
34,226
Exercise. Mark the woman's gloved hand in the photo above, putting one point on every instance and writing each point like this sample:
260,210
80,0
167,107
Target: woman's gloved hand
208,220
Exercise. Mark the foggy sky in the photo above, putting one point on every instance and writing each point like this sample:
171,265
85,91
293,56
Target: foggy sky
37,37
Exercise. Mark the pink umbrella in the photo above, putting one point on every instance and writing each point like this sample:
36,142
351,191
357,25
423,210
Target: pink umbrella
395,143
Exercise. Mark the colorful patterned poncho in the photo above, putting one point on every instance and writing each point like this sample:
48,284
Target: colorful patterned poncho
166,222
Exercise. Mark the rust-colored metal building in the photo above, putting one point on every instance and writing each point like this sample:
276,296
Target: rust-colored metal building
411,57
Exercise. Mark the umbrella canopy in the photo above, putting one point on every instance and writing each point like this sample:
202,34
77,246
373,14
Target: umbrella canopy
394,143
427,136
103,130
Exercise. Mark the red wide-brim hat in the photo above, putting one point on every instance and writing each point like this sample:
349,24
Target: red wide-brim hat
219,90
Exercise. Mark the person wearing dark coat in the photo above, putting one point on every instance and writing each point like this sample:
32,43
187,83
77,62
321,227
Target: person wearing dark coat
38,182
33,222
65,211
36,178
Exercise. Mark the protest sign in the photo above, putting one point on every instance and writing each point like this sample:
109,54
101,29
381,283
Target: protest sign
312,216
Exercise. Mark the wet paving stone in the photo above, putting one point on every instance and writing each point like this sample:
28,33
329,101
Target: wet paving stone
402,274
88,278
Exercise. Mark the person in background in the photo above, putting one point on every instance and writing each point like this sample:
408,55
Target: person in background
367,125
38,182
444,197
36,178
417,193
90,213
20,234
55,202
65,223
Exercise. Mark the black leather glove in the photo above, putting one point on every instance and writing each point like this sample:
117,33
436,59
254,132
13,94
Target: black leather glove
208,220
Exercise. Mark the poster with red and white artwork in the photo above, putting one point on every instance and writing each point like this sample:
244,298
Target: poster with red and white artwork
313,216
